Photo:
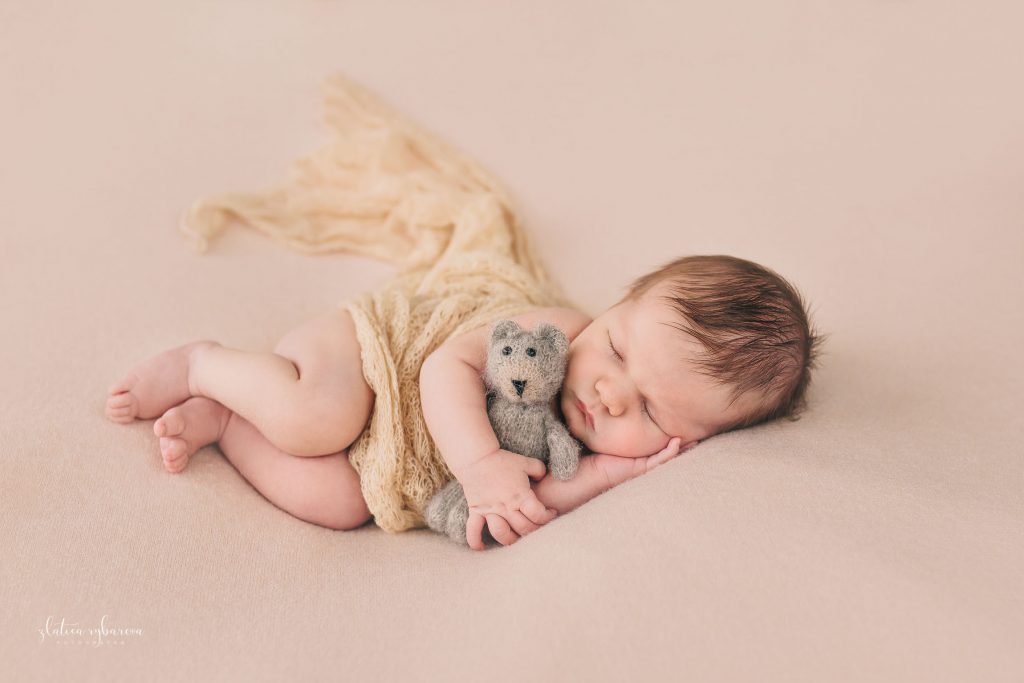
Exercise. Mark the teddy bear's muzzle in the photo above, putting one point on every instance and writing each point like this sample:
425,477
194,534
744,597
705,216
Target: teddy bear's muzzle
520,385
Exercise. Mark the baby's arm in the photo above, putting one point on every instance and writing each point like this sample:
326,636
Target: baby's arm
454,403
496,482
596,474
589,481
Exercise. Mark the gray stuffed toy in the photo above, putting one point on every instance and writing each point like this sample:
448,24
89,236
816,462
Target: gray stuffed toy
523,373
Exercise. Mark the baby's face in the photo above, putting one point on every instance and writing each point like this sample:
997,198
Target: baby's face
653,393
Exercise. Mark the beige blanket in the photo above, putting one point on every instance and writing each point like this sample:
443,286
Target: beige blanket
383,187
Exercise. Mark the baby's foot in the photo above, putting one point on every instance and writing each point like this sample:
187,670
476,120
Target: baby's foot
153,386
185,429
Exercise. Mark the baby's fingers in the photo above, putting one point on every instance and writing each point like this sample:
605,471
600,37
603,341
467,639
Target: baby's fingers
500,529
520,523
536,512
475,530
670,451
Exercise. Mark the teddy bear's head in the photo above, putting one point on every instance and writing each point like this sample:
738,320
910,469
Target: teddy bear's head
524,366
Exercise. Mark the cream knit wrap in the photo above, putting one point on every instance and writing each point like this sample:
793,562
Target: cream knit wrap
385,188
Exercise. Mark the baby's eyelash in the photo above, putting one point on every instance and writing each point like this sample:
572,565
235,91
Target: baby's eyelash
643,404
613,348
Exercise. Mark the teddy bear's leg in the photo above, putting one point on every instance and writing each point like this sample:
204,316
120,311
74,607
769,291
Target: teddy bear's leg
448,512
455,525
441,506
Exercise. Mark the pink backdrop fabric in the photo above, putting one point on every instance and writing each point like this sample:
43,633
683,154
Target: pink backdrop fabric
870,152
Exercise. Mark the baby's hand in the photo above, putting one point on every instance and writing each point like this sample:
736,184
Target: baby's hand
499,495
619,469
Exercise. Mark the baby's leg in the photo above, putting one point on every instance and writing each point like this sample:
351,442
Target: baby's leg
308,397
323,490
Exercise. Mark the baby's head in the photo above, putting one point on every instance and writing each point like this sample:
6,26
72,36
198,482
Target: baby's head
701,346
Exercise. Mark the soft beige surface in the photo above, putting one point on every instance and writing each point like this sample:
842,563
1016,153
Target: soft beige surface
871,152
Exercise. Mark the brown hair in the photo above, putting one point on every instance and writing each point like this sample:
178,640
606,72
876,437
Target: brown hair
753,325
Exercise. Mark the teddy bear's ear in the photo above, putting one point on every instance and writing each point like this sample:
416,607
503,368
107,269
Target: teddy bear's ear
504,329
554,336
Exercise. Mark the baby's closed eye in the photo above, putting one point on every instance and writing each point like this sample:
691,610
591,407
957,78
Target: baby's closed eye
643,402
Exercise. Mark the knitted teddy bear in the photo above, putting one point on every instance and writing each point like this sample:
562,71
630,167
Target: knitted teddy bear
523,373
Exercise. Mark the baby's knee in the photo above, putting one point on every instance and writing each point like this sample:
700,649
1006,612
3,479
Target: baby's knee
341,514
348,520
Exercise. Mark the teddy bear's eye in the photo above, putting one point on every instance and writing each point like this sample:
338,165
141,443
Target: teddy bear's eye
531,352
507,350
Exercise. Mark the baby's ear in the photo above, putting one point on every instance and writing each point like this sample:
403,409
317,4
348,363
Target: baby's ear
554,336
504,329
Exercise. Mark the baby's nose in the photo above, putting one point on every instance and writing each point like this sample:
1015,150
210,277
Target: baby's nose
519,384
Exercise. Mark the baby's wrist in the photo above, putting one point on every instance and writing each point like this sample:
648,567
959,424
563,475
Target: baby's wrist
565,495
616,469
459,470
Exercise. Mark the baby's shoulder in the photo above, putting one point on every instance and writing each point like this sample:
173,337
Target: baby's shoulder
472,346
569,320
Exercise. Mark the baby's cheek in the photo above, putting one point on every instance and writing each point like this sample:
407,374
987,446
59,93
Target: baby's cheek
575,434
579,437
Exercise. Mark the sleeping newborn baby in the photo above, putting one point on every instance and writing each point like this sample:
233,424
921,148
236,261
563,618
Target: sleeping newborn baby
701,346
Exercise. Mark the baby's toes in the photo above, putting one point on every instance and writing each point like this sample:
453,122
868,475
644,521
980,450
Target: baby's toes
121,408
176,466
174,453
120,401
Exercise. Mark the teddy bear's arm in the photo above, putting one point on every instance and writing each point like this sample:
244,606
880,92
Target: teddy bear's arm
563,449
